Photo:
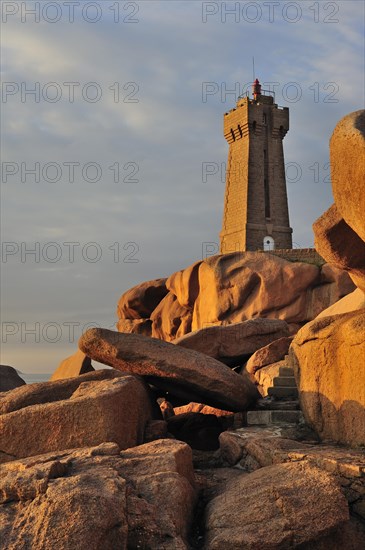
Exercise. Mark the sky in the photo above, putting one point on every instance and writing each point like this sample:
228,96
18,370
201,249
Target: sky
110,113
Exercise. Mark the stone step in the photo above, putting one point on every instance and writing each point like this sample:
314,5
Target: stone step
286,371
266,418
282,391
287,381
269,403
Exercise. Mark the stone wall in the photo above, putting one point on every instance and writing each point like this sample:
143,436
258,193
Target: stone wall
306,255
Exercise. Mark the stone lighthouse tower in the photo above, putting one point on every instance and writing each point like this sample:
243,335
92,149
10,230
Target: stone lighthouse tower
256,213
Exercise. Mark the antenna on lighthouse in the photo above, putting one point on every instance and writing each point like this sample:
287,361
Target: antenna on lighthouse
253,69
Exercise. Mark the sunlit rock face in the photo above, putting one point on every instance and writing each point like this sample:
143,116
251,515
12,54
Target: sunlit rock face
340,232
232,288
328,354
99,498
347,153
328,360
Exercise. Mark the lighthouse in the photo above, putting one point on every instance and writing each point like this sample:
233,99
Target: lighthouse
256,214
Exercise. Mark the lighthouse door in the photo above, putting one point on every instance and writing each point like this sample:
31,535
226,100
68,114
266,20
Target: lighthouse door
269,243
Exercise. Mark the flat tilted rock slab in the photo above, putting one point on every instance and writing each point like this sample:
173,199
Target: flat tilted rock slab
96,411
238,340
183,372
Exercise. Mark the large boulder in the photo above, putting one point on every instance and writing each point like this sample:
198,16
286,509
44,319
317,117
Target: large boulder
183,372
139,301
116,409
233,343
283,506
100,499
170,320
275,351
47,504
161,502
9,378
232,288
240,286
328,360
72,366
338,243
249,449
347,151
352,302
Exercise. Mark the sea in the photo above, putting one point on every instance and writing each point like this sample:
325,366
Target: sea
31,378
35,377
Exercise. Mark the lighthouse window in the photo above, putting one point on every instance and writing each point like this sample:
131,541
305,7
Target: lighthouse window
267,199
254,125
264,119
240,130
233,136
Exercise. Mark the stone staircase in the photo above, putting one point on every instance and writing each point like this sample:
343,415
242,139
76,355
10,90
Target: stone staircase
284,385
281,407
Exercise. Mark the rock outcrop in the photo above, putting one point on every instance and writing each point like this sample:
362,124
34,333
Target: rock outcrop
250,449
328,353
347,154
182,372
90,411
340,232
76,364
274,508
232,288
328,360
9,378
240,286
99,498
233,343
